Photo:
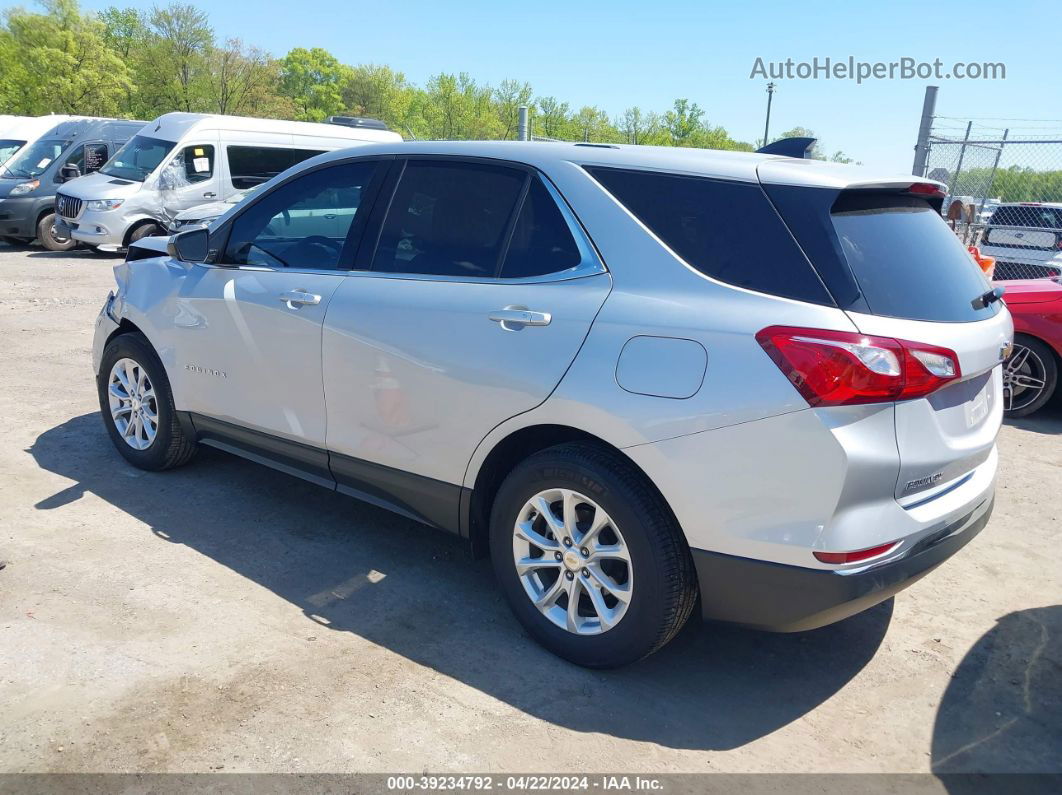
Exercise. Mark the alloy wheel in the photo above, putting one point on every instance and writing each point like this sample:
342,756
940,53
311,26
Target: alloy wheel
572,561
134,407
1024,378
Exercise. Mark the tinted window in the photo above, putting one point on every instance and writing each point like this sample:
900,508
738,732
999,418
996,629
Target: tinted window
95,156
1040,217
906,260
449,219
726,230
541,242
305,222
252,165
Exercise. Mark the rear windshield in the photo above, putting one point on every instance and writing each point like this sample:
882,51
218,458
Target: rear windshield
726,230
1035,217
906,261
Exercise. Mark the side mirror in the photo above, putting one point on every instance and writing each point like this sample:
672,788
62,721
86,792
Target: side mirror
69,172
192,245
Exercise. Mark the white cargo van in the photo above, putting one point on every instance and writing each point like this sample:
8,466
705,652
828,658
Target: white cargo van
181,160
17,131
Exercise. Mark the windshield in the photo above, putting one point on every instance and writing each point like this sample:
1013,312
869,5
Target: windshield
8,147
1028,215
138,158
34,159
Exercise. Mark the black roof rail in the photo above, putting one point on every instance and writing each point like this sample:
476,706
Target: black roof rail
788,147
357,121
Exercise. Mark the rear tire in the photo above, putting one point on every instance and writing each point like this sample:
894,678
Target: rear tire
49,239
653,579
1030,376
137,406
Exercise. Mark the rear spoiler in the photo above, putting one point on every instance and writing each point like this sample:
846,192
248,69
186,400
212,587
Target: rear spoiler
788,147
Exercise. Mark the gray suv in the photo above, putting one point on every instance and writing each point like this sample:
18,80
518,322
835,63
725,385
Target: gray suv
644,381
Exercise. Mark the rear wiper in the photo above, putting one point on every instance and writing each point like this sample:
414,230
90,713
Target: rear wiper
988,298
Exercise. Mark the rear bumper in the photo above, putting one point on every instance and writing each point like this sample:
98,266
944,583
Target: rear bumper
783,598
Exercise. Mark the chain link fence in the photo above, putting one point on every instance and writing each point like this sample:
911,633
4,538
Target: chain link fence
1004,191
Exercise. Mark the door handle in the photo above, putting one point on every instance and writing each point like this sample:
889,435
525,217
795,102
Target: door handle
513,318
209,195
297,298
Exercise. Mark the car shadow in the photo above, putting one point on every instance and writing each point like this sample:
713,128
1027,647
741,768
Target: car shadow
75,253
355,568
1002,711
1047,420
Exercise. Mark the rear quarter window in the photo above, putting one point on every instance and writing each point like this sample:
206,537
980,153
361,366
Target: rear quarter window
726,230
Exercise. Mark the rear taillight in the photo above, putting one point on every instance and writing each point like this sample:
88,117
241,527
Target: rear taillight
843,368
855,557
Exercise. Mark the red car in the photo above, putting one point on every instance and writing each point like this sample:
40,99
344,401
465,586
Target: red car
1030,373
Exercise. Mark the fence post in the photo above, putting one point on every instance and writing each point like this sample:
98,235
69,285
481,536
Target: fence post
992,175
929,107
521,124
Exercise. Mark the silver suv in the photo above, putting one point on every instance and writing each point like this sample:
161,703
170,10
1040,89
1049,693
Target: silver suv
643,380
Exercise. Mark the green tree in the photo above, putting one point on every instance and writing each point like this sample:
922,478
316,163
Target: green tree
683,121
313,79
60,62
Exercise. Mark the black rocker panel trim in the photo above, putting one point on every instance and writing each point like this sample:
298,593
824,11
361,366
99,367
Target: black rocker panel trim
432,502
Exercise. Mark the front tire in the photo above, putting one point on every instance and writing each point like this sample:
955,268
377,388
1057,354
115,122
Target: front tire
1030,376
589,556
145,230
49,239
137,406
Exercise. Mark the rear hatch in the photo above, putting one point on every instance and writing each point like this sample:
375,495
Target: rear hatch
893,265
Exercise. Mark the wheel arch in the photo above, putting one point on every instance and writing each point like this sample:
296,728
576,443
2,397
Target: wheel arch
507,453
137,224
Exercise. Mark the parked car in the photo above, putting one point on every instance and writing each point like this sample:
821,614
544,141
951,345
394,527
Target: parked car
28,181
1030,374
614,368
1026,240
182,159
17,131
205,214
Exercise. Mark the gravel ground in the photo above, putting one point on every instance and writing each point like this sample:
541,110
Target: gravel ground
228,617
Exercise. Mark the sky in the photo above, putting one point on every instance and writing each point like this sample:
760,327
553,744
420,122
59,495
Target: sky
618,54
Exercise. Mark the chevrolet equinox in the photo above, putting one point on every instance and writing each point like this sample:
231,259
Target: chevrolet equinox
644,381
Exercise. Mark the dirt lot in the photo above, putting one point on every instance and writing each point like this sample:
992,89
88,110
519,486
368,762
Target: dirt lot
228,617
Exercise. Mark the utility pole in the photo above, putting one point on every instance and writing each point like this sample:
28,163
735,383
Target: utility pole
925,127
767,124
522,131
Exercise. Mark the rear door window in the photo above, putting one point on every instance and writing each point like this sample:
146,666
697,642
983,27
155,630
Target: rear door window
449,219
906,260
726,230
542,241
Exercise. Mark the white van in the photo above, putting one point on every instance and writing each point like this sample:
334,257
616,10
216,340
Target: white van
181,160
17,131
